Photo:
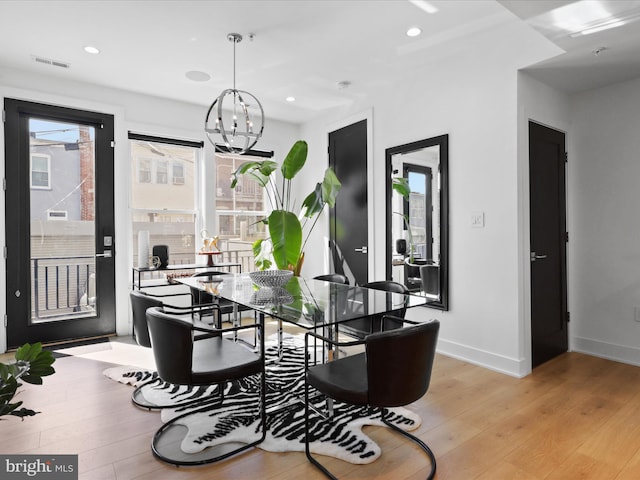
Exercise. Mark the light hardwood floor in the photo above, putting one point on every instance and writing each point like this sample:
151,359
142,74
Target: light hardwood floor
576,417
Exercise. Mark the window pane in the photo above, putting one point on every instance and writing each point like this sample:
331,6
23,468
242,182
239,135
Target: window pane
239,211
163,205
154,191
63,242
144,170
177,231
161,172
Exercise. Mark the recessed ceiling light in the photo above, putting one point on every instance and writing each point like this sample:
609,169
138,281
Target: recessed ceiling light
413,32
290,99
92,50
197,76
343,84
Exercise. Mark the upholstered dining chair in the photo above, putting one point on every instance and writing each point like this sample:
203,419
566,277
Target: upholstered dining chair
140,303
183,360
334,278
361,327
198,297
393,371
430,278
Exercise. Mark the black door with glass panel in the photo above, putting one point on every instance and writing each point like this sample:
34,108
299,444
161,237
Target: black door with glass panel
60,244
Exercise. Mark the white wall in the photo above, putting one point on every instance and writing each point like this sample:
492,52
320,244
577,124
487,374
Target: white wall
138,113
604,197
472,97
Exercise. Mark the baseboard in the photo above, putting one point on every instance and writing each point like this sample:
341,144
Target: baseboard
499,363
610,351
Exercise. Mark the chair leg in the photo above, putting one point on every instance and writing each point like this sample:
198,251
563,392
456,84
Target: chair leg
307,450
185,461
415,439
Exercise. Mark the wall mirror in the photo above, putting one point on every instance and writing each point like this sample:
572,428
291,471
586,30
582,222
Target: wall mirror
417,223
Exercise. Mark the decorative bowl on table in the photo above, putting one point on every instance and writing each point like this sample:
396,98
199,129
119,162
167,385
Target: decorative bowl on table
271,278
271,296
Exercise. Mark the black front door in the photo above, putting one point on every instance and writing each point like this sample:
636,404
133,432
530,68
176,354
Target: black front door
548,256
349,218
59,222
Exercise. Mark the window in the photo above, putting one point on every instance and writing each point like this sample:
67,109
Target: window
161,172
144,170
162,205
40,171
178,174
240,210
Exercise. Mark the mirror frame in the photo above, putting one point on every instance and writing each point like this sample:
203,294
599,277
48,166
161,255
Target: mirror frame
443,142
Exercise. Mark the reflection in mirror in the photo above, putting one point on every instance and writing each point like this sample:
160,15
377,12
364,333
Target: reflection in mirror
417,218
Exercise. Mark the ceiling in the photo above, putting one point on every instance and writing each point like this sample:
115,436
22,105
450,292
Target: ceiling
300,48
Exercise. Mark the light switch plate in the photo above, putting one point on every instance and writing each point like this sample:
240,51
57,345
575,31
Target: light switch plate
477,219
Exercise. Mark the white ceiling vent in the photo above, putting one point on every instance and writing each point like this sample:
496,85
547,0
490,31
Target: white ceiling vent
49,61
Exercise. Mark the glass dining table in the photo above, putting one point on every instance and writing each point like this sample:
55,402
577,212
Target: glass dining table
308,303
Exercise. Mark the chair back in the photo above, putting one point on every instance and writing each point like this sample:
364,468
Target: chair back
334,278
139,305
172,342
390,286
399,364
430,277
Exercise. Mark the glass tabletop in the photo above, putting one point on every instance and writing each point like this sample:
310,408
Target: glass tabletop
308,303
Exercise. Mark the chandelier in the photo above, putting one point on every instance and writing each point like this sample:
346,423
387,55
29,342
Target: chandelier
234,127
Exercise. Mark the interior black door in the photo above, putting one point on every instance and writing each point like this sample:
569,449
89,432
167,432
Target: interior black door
349,217
549,316
59,218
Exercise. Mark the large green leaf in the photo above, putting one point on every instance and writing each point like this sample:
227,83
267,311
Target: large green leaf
313,204
295,159
286,237
259,171
401,185
36,362
325,193
330,187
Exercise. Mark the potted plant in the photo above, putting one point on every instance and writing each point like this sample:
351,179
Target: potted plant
401,186
31,364
288,231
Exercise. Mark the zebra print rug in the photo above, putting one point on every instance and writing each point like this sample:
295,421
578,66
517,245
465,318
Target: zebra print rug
210,423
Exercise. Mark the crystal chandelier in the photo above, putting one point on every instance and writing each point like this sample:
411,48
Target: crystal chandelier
234,128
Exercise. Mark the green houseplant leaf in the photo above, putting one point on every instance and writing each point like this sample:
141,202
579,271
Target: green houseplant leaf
401,185
330,187
31,364
295,159
286,237
259,171
325,193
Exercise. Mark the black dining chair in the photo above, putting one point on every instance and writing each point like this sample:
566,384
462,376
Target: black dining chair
361,327
430,278
140,303
198,297
393,371
334,278
183,360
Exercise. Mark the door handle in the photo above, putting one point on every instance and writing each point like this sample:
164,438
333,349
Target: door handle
363,249
106,254
535,257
